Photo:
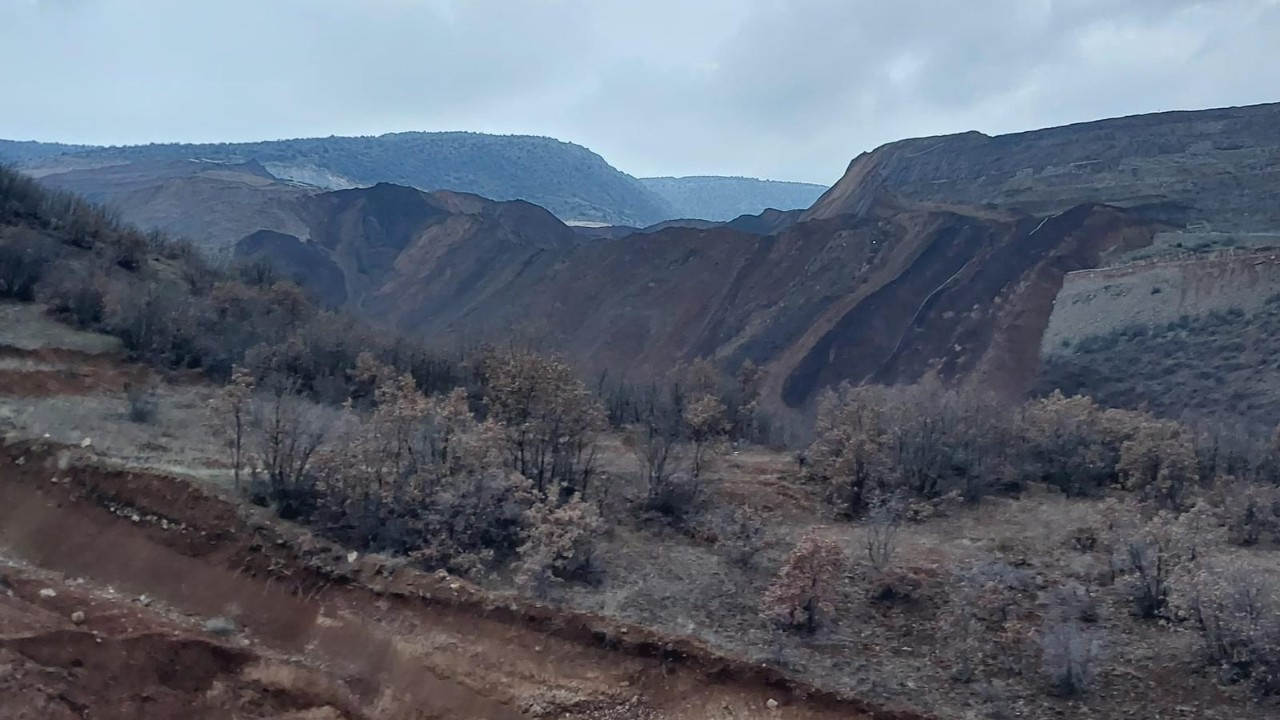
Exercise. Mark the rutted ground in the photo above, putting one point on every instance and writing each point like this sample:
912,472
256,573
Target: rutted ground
149,556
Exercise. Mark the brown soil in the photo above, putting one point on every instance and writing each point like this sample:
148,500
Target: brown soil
404,643
65,372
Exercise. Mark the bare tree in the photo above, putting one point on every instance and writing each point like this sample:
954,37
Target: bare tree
286,430
230,408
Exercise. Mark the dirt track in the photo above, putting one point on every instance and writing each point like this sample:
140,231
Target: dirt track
400,643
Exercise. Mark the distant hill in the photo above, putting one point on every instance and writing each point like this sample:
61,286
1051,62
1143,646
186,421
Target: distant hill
726,198
20,151
213,204
569,180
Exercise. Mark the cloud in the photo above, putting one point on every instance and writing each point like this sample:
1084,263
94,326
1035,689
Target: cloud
779,88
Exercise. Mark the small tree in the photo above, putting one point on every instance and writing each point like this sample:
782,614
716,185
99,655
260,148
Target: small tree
230,408
1160,462
806,585
550,418
707,426
851,450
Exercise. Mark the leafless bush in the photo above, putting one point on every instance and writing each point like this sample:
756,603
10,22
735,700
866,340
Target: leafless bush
231,413
285,431
74,291
1071,442
806,586
1070,656
743,536
884,520
983,601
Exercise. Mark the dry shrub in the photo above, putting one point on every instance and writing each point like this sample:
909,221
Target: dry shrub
806,586
25,258
743,536
396,471
1252,511
1151,550
1234,601
558,545
1072,443
1070,655
1159,461
983,624
884,520
926,440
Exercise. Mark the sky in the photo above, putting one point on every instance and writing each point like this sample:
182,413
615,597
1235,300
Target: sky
783,89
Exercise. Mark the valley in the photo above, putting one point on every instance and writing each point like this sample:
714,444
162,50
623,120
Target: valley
449,425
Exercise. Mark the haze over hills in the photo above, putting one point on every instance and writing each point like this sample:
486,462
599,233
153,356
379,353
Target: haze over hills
725,198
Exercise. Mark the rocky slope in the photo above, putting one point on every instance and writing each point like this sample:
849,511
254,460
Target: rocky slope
725,198
1213,168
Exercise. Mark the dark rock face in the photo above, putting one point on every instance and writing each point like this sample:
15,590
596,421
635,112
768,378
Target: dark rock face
1218,169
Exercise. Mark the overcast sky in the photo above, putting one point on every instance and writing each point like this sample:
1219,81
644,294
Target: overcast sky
787,89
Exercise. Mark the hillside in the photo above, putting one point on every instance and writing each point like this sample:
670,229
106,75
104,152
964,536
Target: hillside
1214,169
567,179
16,151
888,297
213,204
395,253
392,551
726,198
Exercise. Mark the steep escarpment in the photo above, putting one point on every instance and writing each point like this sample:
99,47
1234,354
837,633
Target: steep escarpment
1213,168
